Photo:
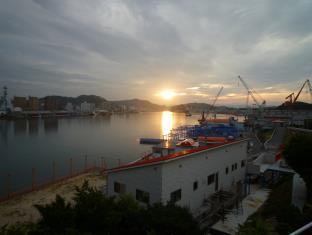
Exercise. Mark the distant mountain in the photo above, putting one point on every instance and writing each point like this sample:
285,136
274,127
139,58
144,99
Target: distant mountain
63,100
139,105
192,107
296,106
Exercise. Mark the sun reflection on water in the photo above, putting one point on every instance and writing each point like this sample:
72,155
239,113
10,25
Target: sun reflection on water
166,122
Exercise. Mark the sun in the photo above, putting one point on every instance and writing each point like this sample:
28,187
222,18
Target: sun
167,94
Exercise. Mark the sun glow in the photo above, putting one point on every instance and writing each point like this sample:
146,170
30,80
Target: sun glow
167,94
166,123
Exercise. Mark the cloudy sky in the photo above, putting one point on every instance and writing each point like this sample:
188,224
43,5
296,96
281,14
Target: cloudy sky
137,49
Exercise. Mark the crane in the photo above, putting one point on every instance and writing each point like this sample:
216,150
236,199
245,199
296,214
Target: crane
204,118
292,98
252,93
310,89
216,98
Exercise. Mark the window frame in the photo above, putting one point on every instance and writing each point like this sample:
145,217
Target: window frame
142,196
119,187
176,196
195,185
210,179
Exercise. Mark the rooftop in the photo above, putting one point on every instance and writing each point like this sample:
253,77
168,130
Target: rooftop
179,153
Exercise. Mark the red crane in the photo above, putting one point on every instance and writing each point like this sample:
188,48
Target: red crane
292,98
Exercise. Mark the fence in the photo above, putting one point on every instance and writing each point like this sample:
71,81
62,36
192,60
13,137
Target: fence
37,184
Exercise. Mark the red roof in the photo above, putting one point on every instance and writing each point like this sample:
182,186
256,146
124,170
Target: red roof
143,162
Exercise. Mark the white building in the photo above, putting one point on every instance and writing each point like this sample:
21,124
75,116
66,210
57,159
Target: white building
185,177
69,107
86,107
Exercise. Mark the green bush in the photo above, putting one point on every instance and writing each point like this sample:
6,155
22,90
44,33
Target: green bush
93,213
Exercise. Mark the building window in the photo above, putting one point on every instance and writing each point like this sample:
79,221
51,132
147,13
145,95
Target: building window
119,188
195,185
210,179
235,166
175,196
227,170
243,163
142,196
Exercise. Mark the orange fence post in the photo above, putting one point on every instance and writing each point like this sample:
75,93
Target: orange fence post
33,178
8,185
86,162
53,171
71,166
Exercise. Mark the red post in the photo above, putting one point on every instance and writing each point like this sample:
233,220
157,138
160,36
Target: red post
102,163
71,166
86,162
8,185
33,178
53,170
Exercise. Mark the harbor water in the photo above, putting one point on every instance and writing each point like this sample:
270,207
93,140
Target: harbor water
39,149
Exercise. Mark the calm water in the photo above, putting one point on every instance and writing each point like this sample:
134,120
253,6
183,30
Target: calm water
27,144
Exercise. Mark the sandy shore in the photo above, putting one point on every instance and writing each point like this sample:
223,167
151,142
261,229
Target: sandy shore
21,209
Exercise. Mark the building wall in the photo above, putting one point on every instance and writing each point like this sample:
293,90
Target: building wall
144,178
33,103
87,107
20,102
182,173
162,179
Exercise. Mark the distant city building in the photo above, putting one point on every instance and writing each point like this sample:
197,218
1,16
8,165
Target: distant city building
30,104
77,108
69,107
51,103
20,102
86,107
33,103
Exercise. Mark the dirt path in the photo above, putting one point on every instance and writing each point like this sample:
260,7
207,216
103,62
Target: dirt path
21,209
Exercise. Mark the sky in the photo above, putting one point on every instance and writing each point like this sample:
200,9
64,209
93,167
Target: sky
145,49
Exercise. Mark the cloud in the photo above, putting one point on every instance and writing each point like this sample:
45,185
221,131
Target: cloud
121,49
193,88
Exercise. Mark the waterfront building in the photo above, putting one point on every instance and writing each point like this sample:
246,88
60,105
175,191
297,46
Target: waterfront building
32,103
186,176
20,102
51,103
69,107
86,107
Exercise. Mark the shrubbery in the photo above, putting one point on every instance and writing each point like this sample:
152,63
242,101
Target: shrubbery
93,213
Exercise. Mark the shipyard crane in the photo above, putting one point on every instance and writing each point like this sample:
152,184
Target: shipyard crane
252,93
204,117
291,99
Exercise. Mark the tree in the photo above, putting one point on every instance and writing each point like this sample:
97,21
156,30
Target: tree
57,217
257,226
171,219
93,213
297,153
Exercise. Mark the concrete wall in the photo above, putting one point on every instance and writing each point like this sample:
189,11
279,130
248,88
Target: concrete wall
182,173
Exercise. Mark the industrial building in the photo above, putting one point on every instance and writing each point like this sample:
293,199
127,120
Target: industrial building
186,176
30,104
